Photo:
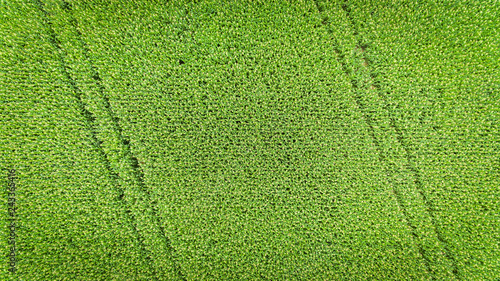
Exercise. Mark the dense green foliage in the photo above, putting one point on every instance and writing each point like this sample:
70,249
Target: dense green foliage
436,68
277,140
69,221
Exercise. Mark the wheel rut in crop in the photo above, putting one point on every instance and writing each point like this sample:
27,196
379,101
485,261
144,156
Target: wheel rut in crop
361,50
90,122
134,165
387,136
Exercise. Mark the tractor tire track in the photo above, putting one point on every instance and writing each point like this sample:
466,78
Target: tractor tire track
356,68
90,123
131,159
408,156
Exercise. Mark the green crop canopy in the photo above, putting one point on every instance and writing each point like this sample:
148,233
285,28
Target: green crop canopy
249,140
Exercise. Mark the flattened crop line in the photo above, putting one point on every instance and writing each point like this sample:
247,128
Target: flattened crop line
134,163
90,119
381,157
12,219
369,121
409,165
428,204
